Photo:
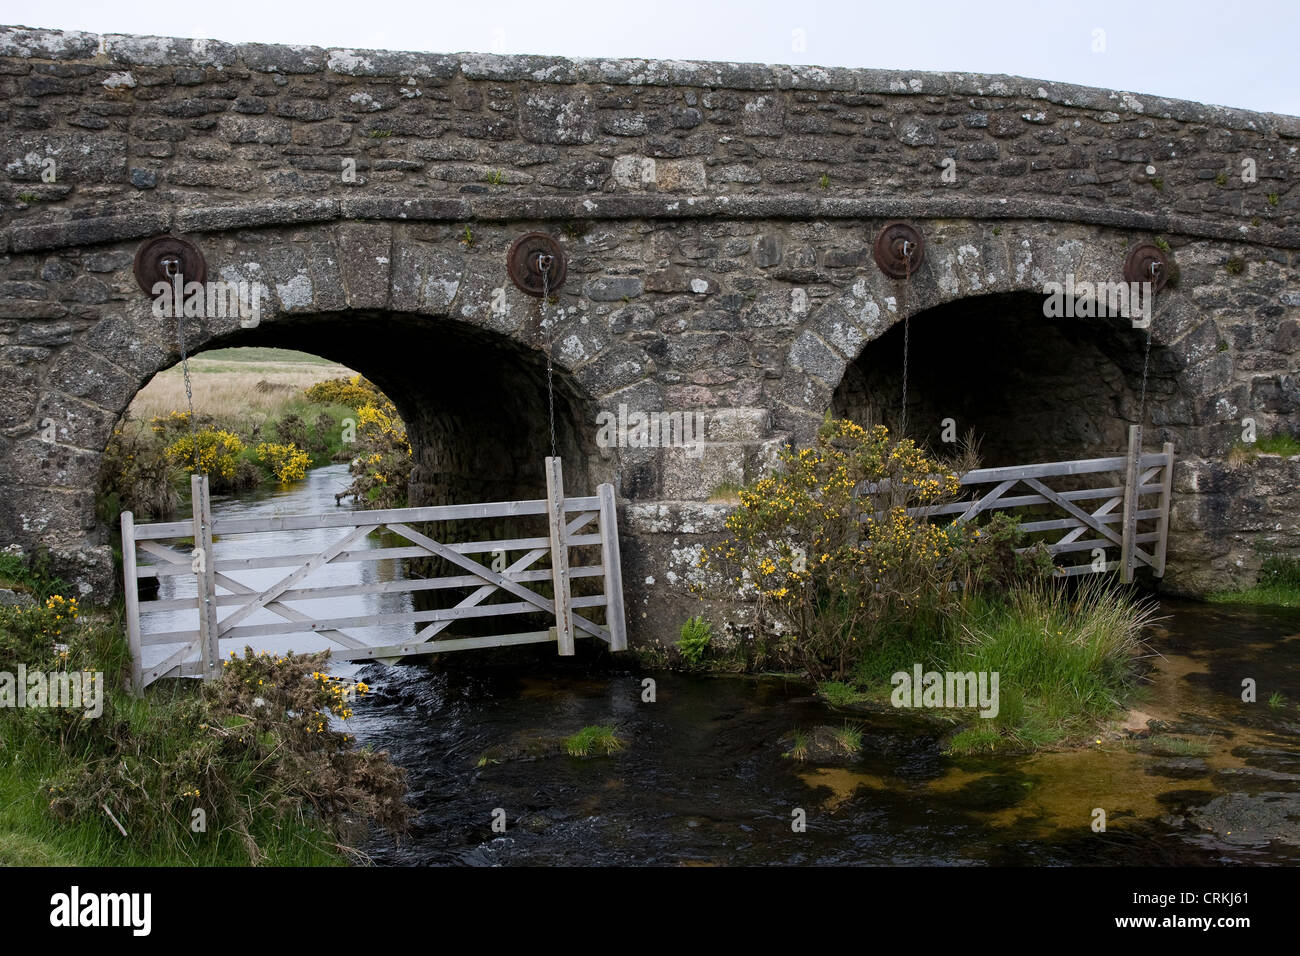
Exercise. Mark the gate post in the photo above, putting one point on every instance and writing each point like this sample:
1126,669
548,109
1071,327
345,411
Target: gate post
205,576
559,556
615,619
131,594
1131,494
1166,492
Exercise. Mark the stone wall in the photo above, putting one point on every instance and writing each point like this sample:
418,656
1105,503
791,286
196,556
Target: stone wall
718,220
159,124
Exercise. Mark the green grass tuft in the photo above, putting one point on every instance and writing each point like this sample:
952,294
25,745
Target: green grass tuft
849,739
1285,445
798,745
728,491
32,575
1064,659
839,694
596,740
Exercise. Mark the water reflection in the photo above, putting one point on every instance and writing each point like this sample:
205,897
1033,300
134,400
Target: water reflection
314,495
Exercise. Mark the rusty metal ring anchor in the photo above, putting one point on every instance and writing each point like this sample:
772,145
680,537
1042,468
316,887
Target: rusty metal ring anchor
162,258
536,264
1147,262
899,249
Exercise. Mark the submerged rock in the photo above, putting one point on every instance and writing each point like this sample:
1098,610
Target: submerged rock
523,746
824,744
1186,768
1251,818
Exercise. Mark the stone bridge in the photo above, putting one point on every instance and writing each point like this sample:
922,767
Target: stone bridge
718,220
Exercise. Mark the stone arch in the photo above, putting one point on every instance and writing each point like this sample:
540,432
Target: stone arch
1029,388
968,262
434,322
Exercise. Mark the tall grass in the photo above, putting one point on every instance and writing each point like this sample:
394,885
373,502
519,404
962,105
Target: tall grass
1064,656
227,388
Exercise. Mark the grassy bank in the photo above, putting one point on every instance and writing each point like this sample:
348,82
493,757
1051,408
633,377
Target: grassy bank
1278,585
845,581
254,422
31,836
247,769
1065,659
239,385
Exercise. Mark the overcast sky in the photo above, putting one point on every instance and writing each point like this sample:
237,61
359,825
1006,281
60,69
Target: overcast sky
1214,51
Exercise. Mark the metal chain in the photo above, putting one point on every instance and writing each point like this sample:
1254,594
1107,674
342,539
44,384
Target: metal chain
1146,355
907,257
177,305
1146,359
544,266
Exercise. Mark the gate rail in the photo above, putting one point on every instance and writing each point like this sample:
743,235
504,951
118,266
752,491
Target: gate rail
1135,525
568,521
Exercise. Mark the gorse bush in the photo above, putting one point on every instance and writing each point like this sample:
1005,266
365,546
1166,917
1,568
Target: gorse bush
138,475
990,554
292,430
256,744
175,423
286,462
36,635
214,452
838,556
54,637
256,750
354,392
381,467
826,550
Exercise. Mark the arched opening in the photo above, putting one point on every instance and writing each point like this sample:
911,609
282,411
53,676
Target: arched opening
476,412
474,402
1031,388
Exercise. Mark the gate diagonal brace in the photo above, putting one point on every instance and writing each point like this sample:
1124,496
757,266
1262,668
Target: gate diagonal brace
483,593
289,613
1083,516
275,590
487,574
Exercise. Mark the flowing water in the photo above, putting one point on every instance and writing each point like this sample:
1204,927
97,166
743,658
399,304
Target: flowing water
704,779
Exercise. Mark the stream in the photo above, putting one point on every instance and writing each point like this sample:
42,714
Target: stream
704,779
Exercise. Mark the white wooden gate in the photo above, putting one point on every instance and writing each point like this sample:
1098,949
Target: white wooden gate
1129,525
587,525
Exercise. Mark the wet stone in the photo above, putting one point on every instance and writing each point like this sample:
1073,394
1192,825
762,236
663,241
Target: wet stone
1184,769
